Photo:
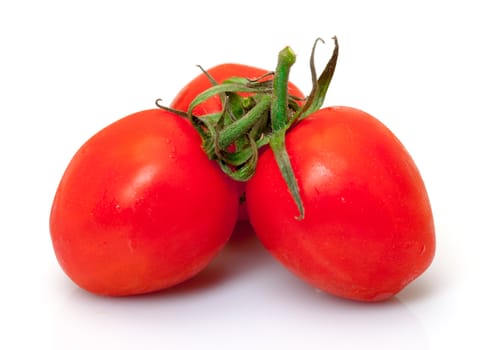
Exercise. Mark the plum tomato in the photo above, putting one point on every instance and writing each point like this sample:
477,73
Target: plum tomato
140,207
368,227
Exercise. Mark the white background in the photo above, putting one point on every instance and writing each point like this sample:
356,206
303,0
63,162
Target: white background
427,69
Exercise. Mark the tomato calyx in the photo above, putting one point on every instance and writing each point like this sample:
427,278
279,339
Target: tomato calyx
320,86
282,120
256,113
234,135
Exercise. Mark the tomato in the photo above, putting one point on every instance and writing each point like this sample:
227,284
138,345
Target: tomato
220,73
140,207
368,228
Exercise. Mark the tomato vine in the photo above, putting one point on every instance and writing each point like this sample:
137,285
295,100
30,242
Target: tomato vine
257,113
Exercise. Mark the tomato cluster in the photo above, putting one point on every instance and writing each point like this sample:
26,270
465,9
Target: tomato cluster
148,201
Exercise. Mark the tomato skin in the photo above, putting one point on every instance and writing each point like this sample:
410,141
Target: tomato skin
368,228
140,207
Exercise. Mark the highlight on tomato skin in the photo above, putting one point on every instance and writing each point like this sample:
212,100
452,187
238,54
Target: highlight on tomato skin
368,228
140,207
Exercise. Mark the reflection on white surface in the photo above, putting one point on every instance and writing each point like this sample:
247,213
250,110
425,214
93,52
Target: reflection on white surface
244,300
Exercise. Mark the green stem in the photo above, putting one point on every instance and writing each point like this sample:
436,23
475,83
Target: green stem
223,88
240,127
279,108
279,119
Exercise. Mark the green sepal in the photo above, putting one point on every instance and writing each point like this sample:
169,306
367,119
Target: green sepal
320,86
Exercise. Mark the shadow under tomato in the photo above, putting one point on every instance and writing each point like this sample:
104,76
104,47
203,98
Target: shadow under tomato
242,254
243,295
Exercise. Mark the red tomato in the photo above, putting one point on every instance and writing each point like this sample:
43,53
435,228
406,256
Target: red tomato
220,73
140,207
368,228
